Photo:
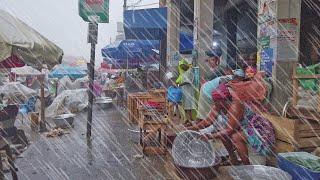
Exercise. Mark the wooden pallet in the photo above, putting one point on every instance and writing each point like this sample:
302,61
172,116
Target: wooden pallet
295,134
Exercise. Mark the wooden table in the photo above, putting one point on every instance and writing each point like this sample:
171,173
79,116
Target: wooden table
152,123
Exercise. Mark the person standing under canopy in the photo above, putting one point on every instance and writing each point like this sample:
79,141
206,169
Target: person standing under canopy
213,60
188,90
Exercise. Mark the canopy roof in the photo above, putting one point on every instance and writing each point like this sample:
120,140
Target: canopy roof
20,40
63,70
130,48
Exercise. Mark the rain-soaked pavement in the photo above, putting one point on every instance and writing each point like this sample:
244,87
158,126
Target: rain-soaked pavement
111,155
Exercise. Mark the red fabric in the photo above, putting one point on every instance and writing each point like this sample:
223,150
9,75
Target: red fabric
105,65
152,104
221,93
12,62
252,90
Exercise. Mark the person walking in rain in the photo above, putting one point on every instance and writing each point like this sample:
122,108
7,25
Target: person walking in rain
185,81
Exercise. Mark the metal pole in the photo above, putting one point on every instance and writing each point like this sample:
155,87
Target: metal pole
91,76
124,5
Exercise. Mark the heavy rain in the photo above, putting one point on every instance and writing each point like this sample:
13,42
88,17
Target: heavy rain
160,89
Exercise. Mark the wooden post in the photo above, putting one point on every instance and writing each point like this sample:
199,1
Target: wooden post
42,122
56,83
318,100
295,87
163,58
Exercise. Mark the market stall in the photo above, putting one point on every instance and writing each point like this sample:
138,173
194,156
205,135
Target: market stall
64,70
22,45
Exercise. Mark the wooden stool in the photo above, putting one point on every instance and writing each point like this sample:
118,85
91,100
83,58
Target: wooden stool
151,124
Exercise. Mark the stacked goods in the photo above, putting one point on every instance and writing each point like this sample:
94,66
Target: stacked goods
300,165
311,164
295,134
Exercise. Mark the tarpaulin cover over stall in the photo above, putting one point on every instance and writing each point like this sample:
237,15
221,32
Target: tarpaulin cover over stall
147,24
151,24
20,41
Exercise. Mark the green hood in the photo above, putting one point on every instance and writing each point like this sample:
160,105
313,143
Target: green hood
180,70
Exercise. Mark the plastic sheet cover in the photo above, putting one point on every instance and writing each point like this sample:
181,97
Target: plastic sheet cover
69,101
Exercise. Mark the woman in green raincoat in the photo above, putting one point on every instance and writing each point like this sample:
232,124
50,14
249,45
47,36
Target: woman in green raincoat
185,81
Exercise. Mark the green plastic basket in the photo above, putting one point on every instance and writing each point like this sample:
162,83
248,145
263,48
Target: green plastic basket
309,84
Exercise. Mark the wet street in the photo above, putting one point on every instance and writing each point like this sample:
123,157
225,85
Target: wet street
111,155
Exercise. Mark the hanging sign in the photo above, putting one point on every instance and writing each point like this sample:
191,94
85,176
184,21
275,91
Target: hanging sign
266,56
264,42
287,39
94,10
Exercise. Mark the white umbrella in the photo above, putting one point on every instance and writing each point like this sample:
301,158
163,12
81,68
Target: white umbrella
25,70
19,39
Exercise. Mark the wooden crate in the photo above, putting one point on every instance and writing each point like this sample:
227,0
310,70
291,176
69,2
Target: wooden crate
133,99
136,99
295,134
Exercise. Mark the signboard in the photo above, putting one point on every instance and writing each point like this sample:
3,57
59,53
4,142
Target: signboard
267,10
264,42
94,10
287,39
268,29
266,56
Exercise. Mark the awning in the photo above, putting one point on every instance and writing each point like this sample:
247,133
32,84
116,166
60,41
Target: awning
71,72
145,24
130,49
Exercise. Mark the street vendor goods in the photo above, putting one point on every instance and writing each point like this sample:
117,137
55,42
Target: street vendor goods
190,151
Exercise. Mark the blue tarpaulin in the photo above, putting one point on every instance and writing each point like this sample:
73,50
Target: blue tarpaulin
150,24
137,52
130,48
72,72
186,42
142,48
145,24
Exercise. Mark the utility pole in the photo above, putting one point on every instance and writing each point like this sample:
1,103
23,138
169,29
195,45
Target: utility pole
92,39
124,5
93,12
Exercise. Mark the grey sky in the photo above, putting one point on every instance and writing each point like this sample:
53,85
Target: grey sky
59,21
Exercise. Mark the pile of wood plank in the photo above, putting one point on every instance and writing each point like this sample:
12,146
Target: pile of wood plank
295,134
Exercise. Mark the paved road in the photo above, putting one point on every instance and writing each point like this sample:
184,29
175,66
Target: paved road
109,156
